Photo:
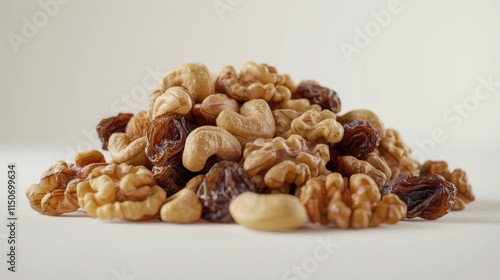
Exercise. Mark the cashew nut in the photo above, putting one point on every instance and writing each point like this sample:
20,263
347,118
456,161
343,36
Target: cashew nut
173,100
271,212
255,120
194,77
122,150
206,141
182,207
195,182
151,101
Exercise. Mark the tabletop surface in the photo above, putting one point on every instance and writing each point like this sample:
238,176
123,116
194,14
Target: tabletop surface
461,245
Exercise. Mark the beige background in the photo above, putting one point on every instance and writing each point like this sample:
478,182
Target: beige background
77,67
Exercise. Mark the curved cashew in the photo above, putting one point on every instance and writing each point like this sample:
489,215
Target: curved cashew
271,212
182,207
122,150
195,182
255,120
194,77
206,141
173,100
151,102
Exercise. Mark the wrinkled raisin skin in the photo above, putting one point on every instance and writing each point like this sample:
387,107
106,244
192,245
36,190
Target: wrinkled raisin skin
165,137
360,138
325,97
173,176
224,181
108,126
429,197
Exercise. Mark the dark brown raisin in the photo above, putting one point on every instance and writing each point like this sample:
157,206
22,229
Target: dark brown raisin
429,197
224,181
108,126
333,163
325,97
165,137
360,138
173,176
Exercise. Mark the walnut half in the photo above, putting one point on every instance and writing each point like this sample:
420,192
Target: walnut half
354,202
120,191
281,161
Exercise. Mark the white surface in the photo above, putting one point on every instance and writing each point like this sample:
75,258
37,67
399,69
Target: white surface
461,245
92,55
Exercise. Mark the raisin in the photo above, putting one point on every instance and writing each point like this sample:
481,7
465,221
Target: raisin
173,176
325,97
429,197
224,181
360,138
108,126
165,137
333,163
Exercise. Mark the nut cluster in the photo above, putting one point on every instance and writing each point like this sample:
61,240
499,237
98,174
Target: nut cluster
355,202
254,148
